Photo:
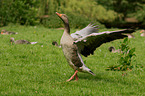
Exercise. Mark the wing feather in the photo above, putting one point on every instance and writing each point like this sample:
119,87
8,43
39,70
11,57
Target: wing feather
88,44
85,31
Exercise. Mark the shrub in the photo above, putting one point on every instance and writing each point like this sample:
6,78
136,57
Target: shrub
18,11
52,22
4,13
125,57
76,21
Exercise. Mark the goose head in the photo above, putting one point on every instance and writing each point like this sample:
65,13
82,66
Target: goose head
63,17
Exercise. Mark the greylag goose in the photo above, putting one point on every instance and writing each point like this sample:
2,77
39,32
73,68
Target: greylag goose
142,33
5,32
21,41
113,50
86,45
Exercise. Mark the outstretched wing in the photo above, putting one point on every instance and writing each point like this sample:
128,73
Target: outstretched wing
88,44
85,31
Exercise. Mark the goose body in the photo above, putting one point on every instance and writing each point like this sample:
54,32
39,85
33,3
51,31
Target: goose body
5,32
21,41
84,45
71,52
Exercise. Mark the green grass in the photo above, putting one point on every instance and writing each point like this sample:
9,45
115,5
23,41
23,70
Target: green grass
36,70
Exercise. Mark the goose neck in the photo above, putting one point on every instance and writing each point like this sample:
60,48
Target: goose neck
66,28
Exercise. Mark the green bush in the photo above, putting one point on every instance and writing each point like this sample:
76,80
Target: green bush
140,15
125,57
18,11
23,12
89,9
52,22
76,21
79,21
4,13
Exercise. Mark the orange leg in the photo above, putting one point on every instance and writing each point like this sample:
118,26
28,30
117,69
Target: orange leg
74,75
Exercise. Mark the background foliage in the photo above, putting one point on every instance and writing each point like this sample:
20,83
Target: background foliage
18,11
32,12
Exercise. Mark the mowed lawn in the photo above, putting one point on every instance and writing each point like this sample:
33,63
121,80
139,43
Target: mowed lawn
41,69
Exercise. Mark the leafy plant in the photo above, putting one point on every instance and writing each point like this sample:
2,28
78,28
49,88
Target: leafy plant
125,57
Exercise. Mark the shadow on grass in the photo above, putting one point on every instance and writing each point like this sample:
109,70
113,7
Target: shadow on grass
98,77
105,77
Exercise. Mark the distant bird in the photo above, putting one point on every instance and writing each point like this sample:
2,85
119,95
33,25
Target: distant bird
86,45
113,50
21,41
142,33
5,32
56,44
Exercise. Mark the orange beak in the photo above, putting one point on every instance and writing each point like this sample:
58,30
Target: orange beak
59,14
1,32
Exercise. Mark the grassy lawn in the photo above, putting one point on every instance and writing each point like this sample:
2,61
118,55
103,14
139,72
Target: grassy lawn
43,70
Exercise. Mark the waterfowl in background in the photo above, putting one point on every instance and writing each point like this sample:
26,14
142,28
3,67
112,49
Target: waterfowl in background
21,41
142,33
86,45
56,44
113,50
5,32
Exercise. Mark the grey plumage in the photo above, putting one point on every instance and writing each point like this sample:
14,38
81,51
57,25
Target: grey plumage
85,44
88,44
21,41
85,31
70,50
5,32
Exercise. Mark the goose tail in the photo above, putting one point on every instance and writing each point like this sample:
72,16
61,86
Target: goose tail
33,42
92,73
87,70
